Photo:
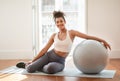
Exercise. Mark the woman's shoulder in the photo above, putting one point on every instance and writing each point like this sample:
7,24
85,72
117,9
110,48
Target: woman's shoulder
53,35
72,31
72,34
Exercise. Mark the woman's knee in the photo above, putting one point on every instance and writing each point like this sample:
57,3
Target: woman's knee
52,68
30,69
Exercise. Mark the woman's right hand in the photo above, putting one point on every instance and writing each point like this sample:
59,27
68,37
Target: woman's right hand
29,62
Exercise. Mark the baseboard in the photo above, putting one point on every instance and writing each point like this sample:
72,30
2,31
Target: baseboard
114,54
16,54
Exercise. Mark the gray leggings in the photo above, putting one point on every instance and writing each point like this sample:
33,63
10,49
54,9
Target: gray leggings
49,63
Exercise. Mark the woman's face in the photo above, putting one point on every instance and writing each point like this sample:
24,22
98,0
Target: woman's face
60,23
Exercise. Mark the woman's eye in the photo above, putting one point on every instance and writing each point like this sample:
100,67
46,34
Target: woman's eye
61,21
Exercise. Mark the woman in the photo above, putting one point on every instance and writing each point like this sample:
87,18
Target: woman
53,61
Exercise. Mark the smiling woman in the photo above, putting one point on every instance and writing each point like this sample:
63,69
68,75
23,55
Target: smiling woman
53,61
44,26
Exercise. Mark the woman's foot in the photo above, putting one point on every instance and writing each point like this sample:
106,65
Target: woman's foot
21,65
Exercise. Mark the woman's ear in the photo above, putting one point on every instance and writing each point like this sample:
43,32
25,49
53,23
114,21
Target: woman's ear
65,21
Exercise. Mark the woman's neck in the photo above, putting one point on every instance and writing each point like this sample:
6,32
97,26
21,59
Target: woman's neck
63,31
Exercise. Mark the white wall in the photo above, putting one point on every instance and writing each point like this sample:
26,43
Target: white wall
104,22
16,26
15,29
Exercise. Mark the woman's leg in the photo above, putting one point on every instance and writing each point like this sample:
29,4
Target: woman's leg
56,63
38,64
49,63
53,67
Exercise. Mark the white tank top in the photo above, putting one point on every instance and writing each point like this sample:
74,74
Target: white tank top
63,45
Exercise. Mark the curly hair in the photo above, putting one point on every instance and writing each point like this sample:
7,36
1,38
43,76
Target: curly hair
57,14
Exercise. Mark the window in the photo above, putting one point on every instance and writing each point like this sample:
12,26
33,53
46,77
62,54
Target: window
75,17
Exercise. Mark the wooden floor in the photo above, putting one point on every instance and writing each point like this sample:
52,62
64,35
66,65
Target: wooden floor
114,64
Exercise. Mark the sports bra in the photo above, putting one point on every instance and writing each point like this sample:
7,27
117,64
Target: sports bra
63,45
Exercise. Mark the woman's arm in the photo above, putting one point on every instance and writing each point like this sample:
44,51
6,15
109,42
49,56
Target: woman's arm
45,49
85,36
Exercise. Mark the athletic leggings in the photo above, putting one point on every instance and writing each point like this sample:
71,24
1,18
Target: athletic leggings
49,63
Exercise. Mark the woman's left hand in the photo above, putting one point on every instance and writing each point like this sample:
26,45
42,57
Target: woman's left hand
106,45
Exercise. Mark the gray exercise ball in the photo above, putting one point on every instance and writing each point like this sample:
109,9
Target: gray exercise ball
90,56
